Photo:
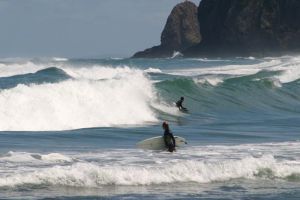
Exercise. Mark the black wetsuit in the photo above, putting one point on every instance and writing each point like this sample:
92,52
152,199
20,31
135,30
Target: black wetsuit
179,105
169,140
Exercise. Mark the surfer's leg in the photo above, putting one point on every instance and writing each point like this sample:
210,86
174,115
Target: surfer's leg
171,148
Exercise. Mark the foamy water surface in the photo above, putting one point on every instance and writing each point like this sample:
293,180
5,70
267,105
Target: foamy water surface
69,128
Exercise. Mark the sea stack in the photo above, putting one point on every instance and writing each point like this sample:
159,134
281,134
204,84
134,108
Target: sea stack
180,32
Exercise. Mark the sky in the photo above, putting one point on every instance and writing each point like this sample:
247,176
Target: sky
81,28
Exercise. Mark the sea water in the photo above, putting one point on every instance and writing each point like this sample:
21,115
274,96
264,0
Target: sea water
69,128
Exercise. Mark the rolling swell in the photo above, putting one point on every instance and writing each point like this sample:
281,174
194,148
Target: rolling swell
261,94
48,75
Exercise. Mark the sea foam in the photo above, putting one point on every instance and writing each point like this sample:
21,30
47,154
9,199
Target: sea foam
195,164
11,69
92,175
99,97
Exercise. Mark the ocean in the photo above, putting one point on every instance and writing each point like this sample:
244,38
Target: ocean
69,128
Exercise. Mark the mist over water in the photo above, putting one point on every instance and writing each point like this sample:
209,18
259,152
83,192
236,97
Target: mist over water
73,124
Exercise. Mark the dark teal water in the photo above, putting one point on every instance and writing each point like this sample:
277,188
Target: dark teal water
69,128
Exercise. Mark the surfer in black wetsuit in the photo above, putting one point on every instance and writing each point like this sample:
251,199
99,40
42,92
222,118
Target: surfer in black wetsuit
168,138
179,104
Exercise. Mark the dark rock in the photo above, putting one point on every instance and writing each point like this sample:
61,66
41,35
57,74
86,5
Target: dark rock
248,27
180,32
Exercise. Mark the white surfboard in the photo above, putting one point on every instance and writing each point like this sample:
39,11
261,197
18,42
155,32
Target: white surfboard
157,143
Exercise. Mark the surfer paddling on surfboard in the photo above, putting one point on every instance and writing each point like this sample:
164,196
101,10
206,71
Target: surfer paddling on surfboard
179,104
168,137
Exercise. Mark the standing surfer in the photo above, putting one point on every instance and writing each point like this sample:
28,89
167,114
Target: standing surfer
179,104
168,137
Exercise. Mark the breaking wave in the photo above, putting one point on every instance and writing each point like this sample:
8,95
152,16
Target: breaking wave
73,94
98,97
216,163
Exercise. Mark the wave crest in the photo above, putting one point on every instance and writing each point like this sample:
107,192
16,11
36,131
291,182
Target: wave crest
124,99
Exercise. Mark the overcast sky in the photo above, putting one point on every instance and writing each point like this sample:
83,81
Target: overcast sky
81,28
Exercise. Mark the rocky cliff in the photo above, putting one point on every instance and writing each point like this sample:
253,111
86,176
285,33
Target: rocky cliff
235,28
248,27
180,32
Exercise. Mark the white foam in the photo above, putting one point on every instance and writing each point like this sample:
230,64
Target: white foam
16,157
60,59
209,60
122,100
289,68
100,72
236,70
288,65
167,109
117,58
12,69
203,164
214,81
177,54
56,157
291,72
25,157
93,175
153,70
